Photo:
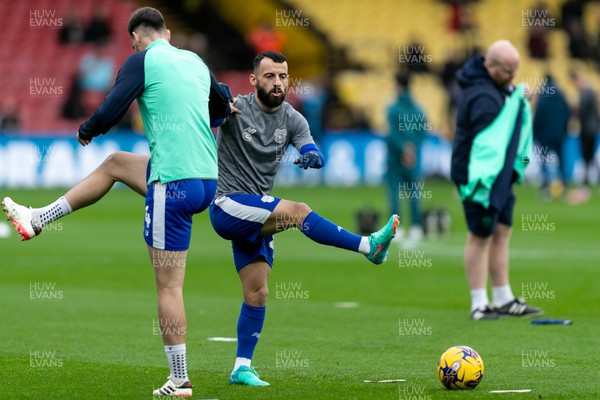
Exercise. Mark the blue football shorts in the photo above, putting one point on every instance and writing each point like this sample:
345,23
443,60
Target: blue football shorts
170,208
239,218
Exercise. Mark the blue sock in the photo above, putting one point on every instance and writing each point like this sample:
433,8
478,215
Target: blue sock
326,232
249,326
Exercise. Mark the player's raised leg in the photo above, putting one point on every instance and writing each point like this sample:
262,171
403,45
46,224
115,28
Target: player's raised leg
124,167
254,278
289,214
169,268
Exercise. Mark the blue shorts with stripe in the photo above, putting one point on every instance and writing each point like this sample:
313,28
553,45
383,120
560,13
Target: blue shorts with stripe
239,218
169,210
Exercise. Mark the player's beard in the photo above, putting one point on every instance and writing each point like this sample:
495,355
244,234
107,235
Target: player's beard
268,99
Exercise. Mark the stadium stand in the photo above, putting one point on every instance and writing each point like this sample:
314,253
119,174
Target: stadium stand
373,35
28,56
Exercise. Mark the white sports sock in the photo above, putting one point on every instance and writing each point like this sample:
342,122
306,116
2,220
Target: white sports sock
239,361
479,299
43,216
364,247
502,295
177,363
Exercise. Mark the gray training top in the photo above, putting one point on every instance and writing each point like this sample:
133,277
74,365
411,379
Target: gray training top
251,145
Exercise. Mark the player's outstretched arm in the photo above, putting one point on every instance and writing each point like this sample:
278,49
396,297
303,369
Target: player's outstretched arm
128,85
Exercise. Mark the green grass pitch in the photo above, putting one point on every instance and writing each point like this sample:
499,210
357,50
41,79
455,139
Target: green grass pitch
91,334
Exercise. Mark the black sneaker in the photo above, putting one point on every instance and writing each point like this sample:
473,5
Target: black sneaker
518,308
484,313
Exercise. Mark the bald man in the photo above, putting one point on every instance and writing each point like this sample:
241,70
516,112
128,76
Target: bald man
487,158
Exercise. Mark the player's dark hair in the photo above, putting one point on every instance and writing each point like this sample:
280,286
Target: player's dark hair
146,17
273,55
403,80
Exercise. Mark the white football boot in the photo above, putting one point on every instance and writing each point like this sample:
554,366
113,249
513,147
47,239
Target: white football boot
20,216
170,389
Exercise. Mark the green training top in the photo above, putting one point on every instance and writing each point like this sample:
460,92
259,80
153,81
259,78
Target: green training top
174,109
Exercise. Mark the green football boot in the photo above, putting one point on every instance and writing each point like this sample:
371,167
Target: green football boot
380,241
246,376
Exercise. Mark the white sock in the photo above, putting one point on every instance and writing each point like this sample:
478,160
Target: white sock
502,295
241,361
479,298
364,247
43,216
177,363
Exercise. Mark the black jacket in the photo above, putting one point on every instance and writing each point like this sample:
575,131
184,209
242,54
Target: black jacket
480,102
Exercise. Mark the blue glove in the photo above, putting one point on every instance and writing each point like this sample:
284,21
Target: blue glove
311,159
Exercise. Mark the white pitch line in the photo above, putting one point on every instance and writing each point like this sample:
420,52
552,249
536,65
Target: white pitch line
346,304
511,391
386,381
222,339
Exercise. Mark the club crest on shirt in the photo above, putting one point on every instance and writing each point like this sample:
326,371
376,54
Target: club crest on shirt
247,133
280,135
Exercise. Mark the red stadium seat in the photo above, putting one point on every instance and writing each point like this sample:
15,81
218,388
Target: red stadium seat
30,53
